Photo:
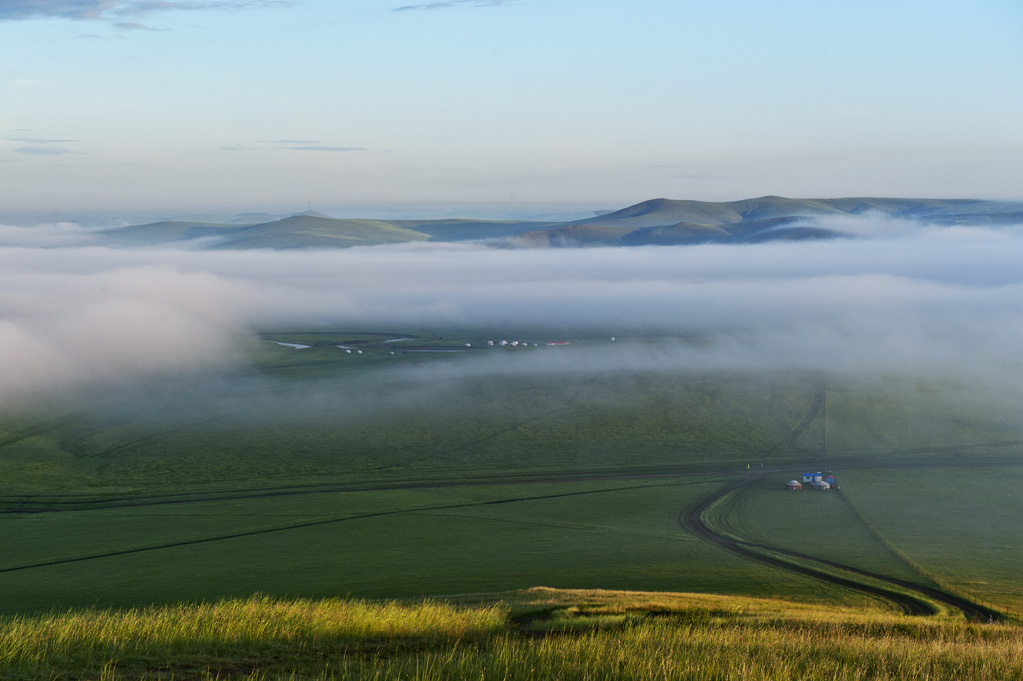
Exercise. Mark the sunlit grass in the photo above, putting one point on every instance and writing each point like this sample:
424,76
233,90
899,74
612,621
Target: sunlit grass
538,634
227,635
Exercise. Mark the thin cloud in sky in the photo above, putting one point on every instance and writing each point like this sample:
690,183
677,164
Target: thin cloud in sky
454,3
292,145
133,26
687,172
698,176
322,148
39,140
39,150
108,9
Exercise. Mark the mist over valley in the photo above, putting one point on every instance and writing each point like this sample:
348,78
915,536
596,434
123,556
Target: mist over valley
597,438
934,298
437,340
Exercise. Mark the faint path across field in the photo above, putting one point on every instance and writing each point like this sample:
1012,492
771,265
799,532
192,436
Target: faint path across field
330,520
789,441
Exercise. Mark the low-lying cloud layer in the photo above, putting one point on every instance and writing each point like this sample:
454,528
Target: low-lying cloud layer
906,298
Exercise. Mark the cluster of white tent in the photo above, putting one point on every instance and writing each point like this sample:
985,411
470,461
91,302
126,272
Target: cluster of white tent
818,481
513,344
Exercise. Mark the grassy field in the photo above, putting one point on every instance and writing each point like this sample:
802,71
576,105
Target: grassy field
534,634
821,524
960,526
403,543
317,472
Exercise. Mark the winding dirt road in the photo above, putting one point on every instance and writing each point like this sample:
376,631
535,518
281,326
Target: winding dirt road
911,598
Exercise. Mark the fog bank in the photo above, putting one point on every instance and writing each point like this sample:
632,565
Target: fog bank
899,298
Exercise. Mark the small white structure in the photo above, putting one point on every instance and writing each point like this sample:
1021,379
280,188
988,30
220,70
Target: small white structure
820,485
490,343
793,486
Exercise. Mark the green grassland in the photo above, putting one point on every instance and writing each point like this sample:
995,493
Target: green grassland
305,231
379,545
407,472
959,526
824,525
533,634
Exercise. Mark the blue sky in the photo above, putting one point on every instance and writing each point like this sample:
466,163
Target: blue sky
260,105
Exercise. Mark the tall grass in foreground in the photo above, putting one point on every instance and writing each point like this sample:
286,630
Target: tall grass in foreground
663,650
334,639
183,641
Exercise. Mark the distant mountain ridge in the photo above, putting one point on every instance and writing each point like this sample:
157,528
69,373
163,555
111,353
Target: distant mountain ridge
649,223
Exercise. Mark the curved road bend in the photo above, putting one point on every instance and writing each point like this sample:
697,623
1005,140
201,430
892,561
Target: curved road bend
692,519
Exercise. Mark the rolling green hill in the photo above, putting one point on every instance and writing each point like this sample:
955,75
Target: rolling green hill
468,230
164,232
663,212
657,222
661,222
309,231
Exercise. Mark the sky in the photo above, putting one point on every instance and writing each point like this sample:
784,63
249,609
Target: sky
184,106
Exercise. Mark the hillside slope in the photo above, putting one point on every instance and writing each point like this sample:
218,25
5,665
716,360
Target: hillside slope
309,231
767,218
657,222
167,231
